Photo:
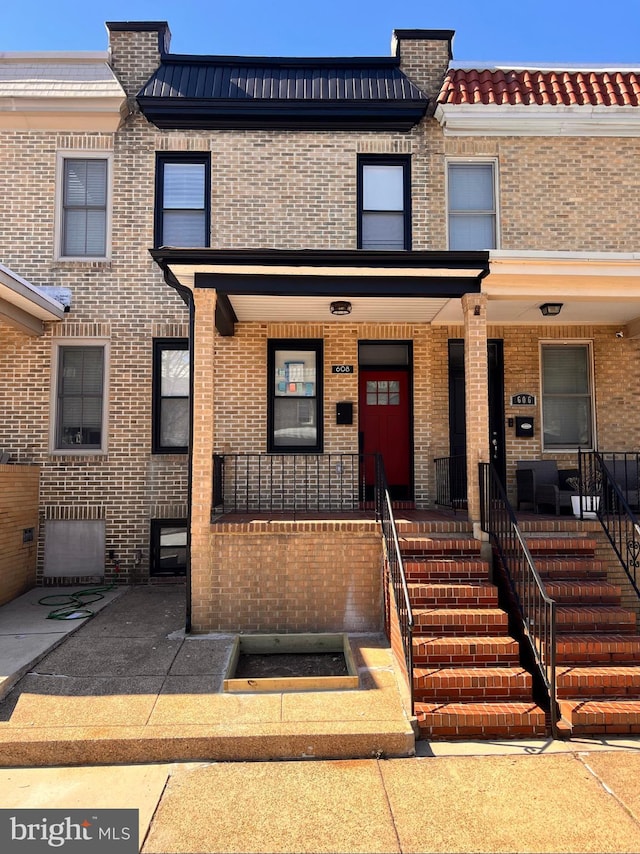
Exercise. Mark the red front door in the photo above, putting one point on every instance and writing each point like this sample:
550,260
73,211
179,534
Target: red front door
384,426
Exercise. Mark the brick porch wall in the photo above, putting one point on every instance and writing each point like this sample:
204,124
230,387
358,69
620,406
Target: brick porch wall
18,510
289,577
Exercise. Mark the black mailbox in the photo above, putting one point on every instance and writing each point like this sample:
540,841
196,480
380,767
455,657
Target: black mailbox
524,426
344,413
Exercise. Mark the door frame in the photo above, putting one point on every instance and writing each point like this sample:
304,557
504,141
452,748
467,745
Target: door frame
408,369
495,400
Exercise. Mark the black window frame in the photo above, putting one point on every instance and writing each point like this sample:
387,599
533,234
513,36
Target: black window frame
162,158
155,549
295,344
159,346
403,160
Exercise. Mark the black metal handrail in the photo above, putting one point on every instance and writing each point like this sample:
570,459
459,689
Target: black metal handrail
612,478
537,610
395,564
451,482
290,482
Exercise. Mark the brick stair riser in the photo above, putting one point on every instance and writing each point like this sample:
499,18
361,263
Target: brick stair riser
473,651
442,622
557,569
591,649
443,572
603,717
576,620
449,596
494,688
567,594
474,721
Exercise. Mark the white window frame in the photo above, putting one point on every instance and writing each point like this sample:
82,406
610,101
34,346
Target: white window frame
569,342
474,161
80,154
57,344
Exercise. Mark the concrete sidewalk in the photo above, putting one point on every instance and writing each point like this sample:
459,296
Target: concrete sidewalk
126,686
575,801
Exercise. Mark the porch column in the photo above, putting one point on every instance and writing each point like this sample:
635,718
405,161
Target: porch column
202,448
476,374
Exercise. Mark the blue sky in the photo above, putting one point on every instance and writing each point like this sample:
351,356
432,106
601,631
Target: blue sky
549,31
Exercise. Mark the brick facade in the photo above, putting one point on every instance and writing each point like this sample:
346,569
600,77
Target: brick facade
283,189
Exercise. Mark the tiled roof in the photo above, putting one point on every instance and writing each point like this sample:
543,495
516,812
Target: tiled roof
543,87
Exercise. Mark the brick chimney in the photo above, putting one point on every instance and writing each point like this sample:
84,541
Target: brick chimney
424,56
135,49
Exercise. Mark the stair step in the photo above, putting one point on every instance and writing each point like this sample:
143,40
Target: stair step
415,545
468,595
548,546
474,684
458,621
595,618
568,567
480,720
584,592
446,569
469,649
594,681
602,716
597,648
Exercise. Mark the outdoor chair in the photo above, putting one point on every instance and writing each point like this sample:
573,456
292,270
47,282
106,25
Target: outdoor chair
541,483
624,472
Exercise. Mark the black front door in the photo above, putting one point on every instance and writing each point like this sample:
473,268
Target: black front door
457,420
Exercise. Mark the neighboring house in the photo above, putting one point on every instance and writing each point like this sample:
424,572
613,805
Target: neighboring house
86,325
358,250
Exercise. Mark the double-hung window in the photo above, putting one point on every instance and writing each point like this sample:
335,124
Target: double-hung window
384,202
183,192
80,398
295,396
170,396
567,400
471,193
84,218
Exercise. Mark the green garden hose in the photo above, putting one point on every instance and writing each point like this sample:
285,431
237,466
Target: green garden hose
72,606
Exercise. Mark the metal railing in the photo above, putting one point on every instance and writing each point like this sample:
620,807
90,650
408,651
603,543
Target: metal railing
526,590
613,480
451,482
395,564
290,482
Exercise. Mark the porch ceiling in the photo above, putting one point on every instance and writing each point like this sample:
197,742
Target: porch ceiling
422,287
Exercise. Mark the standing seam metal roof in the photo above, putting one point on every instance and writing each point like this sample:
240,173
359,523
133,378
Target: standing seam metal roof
267,80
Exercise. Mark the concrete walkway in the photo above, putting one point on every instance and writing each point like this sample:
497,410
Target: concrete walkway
575,801
128,686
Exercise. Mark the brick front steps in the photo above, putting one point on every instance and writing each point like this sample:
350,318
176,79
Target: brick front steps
467,678
598,644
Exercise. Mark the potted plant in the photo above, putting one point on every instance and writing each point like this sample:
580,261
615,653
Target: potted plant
586,502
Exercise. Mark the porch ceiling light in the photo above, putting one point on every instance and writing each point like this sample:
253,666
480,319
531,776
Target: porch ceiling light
340,307
551,309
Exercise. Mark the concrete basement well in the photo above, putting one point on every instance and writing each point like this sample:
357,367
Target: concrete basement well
306,647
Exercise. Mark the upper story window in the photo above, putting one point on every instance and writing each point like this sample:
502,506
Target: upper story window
384,203
567,403
84,207
170,396
471,193
79,404
183,193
